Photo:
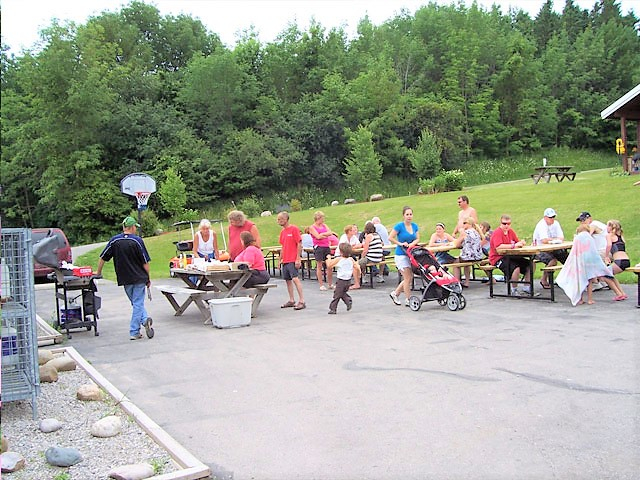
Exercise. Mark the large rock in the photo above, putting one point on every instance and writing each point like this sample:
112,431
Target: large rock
349,201
335,203
107,427
89,393
266,213
44,356
11,462
63,363
62,457
49,425
48,373
376,197
132,472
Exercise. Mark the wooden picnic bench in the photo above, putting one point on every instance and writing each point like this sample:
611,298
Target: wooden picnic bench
200,298
368,269
475,266
559,172
552,284
257,292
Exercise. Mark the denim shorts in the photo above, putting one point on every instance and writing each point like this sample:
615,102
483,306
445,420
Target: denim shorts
402,261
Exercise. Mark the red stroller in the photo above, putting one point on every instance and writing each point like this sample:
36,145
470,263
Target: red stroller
437,283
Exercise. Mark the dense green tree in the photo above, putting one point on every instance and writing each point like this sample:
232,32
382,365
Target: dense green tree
172,192
547,24
363,170
425,158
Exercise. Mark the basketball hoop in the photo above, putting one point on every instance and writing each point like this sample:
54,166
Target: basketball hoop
143,198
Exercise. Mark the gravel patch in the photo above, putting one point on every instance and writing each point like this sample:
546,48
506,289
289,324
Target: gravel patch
58,400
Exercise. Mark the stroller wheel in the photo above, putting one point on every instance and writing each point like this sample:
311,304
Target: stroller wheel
453,302
415,303
463,302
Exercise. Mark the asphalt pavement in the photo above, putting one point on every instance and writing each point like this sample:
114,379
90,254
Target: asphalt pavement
504,389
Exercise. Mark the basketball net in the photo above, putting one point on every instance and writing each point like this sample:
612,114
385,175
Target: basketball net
143,198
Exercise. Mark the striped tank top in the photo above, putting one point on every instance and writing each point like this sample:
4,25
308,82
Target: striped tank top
374,253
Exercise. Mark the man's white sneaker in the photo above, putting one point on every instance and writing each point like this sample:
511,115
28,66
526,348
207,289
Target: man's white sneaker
379,279
515,292
323,288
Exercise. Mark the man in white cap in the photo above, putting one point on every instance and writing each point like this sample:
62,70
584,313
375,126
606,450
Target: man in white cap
548,230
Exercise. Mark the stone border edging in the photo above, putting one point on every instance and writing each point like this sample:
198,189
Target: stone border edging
192,468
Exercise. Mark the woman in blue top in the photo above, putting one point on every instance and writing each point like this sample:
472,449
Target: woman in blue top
404,234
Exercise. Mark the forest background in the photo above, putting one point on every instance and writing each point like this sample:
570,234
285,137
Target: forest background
301,120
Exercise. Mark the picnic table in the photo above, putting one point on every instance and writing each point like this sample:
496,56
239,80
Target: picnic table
529,252
548,171
271,258
441,247
203,286
636,270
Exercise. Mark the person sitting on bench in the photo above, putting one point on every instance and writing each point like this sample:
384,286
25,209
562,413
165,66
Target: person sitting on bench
253,256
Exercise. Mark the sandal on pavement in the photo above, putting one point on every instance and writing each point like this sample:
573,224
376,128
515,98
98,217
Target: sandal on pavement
288,304
300,306
619,297
546,287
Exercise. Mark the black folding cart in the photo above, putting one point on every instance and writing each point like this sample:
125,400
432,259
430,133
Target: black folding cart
77,304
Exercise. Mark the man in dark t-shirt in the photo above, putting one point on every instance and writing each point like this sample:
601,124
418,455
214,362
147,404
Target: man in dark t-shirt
131,263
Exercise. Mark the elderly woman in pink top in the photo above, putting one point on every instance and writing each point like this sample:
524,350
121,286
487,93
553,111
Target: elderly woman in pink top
253,256
321,247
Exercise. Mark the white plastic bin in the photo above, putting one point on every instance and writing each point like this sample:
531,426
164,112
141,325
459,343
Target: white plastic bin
230,312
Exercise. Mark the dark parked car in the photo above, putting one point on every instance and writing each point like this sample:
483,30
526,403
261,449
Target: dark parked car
63,250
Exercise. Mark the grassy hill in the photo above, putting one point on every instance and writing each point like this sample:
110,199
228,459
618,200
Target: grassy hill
597,191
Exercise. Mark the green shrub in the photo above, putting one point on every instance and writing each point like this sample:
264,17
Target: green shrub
426,185
149,222
453,179
295,204
439,184
250,206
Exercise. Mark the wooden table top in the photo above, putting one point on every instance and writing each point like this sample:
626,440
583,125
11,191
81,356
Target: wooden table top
441,247
534,249
562,168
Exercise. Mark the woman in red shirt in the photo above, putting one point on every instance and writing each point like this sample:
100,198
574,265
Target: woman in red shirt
238,223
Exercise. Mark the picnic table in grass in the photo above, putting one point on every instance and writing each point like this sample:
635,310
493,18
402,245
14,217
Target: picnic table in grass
548,171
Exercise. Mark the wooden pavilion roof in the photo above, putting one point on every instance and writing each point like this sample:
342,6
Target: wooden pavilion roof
627,106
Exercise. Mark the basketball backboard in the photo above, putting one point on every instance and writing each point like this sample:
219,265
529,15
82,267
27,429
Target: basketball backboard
137,182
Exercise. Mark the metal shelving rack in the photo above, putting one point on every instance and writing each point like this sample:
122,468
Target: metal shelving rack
20,373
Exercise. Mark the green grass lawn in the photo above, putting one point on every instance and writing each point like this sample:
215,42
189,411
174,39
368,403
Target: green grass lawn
597,191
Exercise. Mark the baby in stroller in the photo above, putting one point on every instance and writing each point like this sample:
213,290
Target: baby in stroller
437,283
